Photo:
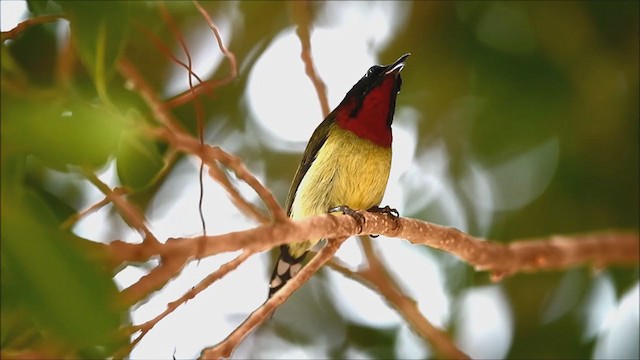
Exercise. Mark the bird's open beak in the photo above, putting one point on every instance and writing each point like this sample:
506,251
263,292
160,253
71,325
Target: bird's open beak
397,66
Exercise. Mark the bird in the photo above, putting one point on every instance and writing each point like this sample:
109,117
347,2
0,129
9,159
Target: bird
346,164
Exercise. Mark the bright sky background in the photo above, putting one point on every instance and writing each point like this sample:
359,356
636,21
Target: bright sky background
12,13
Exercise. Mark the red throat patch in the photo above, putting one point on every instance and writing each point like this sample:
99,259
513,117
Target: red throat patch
371,121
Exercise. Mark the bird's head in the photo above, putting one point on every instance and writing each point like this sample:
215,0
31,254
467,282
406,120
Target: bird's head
367,109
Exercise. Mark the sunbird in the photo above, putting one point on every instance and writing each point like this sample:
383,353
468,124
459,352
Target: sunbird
345,166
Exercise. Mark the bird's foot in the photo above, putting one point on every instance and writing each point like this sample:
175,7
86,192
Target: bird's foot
359,218
393,213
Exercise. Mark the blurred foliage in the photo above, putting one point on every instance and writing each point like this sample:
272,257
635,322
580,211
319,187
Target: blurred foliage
530,70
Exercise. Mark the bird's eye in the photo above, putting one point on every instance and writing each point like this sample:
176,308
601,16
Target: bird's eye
373,70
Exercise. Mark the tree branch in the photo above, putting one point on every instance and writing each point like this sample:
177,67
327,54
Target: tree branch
73,219
211,154
377,278
205,86
300,10
600,249
129,212
171,307
556,252
225,347
21,27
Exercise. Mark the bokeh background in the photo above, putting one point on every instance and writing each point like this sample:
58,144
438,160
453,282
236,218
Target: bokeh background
515,120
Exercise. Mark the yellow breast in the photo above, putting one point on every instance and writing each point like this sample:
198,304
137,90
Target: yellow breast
348,171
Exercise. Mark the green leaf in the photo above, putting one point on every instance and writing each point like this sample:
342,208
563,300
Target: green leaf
44,7
139,160
17,328
99,29
364,336
34,53
37,6
63,198
60,134
63,292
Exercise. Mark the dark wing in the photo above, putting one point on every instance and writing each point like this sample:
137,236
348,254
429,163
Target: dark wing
315,143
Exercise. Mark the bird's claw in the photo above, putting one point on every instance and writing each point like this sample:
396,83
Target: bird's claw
359,218
393,213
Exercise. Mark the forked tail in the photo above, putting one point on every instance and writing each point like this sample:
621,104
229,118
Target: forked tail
286,267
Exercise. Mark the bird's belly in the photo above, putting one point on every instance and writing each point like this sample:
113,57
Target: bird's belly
347,171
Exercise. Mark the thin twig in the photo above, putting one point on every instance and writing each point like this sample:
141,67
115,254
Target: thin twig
129,212
234,163
166,16
378,278
160,112
225,347
246,207
191,145
303,20
172,306
65,62
168,160
211,154
197,90
228,54
73,219
168,19
165,50
21,27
